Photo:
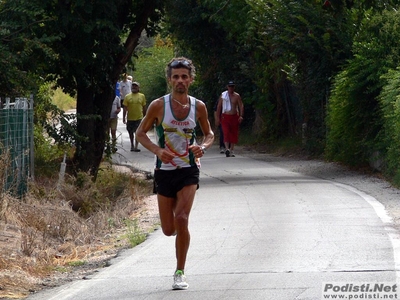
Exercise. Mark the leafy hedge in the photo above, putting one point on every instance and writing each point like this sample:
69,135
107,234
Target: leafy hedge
355,120
390,103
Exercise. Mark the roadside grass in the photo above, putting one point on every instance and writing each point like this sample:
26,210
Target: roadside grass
58,227
134,234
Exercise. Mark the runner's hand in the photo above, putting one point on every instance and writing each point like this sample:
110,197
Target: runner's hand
196,150
165,155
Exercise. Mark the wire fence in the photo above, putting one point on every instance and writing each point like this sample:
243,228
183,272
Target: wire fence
16,145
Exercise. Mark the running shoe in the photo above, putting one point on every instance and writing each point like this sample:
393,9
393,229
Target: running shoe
227,153
222,150
180,281
232,154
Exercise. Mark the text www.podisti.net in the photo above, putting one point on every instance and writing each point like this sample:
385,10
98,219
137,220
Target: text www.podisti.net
370,290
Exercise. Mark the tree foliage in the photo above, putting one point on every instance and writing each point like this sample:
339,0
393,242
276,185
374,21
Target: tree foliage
291,60
24,46
285,54
390,103
282,53
149,68
355,117
92,55
90,44
201,38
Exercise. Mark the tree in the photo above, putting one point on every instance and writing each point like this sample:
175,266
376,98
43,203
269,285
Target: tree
200,36
91,56
355,118
150,67
24,48
285,54
84,46
281,53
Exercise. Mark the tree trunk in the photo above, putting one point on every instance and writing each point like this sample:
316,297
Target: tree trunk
258,124
93,111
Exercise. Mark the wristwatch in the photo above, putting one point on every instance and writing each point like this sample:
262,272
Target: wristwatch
203,149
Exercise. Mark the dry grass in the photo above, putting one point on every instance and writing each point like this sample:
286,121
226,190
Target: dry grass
59,229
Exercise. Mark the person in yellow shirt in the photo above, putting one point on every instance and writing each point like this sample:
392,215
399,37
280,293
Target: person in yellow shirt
133,112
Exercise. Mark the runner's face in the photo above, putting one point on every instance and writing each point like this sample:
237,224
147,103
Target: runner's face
180,80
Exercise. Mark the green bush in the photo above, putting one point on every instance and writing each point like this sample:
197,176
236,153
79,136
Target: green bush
48,156
355,123
390,103
342,142
62,100
150,69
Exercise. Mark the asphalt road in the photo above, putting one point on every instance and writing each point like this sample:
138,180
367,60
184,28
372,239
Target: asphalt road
258,232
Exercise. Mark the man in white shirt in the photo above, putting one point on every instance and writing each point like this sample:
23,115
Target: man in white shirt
125,86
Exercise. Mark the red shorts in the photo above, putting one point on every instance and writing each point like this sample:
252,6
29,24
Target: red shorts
230,127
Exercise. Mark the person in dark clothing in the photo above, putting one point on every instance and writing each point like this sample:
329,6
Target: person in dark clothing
221,133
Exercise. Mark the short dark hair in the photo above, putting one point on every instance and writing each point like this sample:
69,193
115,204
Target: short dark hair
180,62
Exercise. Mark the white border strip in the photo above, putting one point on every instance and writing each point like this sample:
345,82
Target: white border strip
386,220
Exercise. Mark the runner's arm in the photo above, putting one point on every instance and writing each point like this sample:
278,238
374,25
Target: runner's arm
204,124
153,116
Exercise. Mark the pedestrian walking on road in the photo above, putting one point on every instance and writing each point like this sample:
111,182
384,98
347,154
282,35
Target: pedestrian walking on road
133,112
125,86
113,122
229,115
222,148
176,172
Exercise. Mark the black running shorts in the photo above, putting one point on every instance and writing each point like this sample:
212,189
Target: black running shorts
168,183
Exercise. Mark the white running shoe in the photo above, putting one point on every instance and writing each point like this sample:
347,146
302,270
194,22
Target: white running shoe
179,281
